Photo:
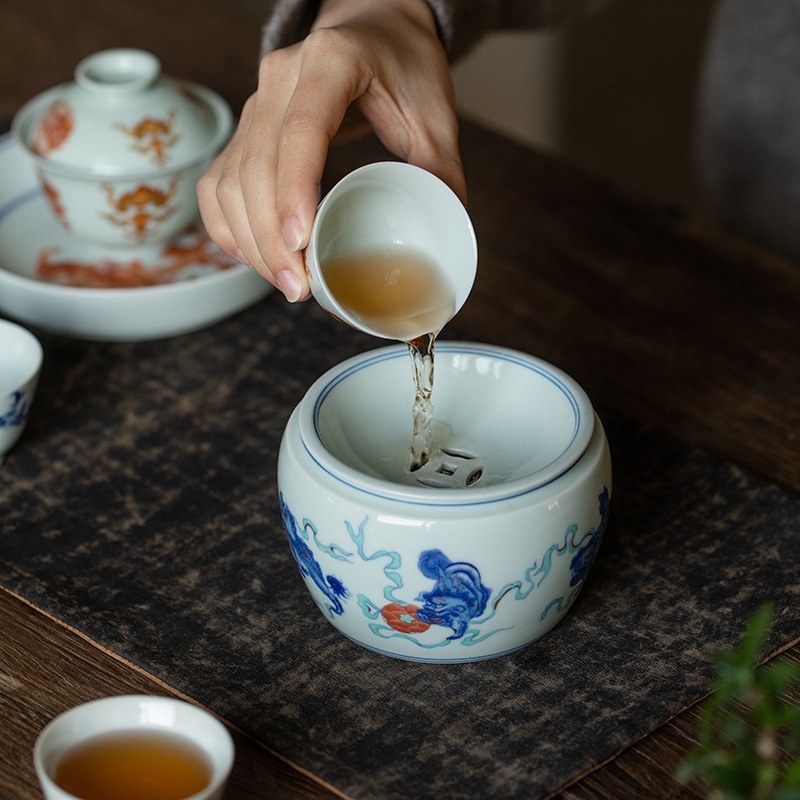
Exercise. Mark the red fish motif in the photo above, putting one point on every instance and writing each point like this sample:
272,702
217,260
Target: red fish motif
54,128
194,249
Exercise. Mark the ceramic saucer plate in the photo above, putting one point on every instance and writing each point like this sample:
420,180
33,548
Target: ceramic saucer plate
60,283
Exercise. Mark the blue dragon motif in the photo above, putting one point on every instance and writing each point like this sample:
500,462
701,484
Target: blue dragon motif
458,595
583,560
458,598
329,585
17,413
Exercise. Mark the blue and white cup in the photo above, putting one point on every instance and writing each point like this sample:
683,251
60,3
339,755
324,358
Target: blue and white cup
20,363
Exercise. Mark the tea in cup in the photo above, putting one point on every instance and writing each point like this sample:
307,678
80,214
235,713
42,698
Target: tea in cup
392,251
134,747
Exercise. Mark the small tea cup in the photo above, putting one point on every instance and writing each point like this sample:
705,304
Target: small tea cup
135,714
401,213
20,362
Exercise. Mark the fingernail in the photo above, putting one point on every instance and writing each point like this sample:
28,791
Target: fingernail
292,234
290,285
240,256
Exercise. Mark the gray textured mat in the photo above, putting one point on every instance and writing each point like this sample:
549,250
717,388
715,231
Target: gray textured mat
140,507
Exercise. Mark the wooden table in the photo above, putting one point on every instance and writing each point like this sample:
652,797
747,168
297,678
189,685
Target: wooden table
708,349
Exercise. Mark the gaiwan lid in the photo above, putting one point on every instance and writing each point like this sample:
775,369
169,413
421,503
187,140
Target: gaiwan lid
121,117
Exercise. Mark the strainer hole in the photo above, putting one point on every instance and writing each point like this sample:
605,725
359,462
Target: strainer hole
474,477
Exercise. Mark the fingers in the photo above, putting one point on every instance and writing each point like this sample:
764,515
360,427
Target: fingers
252,198
329,69
259,197
212,210
442,158
237,198
430,141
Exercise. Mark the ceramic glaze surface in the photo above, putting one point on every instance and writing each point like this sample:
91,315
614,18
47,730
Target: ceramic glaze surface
445,575
527,421
134,713
74,287
20,363
120,116
388,207
119,151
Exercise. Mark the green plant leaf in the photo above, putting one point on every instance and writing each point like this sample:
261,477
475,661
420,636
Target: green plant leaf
749,734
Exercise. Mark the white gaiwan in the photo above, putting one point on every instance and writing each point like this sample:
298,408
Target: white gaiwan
119,151
483,550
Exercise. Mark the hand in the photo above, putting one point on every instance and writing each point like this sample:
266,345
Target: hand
382,60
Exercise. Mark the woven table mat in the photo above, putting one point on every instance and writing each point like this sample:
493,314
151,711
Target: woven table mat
140,507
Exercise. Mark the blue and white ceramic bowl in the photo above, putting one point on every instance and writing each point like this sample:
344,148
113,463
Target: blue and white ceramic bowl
20,362
490,551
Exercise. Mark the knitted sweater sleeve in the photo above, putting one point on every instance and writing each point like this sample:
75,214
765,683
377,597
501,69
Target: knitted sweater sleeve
461,22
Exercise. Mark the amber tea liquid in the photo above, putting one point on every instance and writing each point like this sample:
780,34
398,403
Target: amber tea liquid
134,765
398,293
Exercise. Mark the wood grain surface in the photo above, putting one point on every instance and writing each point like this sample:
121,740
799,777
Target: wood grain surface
656,312
46,669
